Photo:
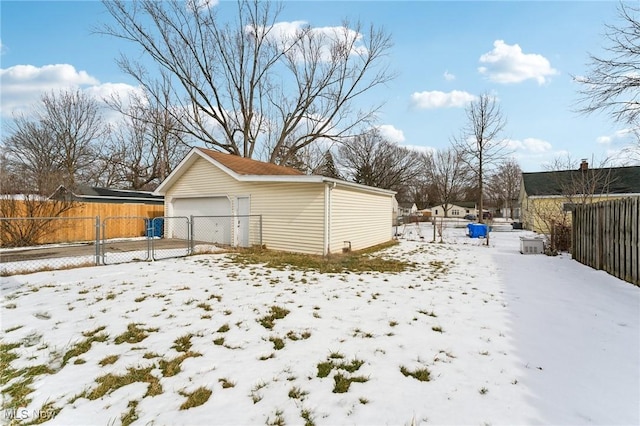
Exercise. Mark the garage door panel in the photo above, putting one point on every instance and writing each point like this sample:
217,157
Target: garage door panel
207,228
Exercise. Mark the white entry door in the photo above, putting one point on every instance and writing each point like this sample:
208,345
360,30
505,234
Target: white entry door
242,222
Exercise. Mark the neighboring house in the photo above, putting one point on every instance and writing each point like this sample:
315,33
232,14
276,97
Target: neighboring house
546,198
424,212
407,209
300,213
92,194
455,209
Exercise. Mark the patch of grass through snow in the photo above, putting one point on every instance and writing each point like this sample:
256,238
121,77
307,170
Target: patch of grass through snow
16,394
421,374
131,415
226,383
195,398
275,313
342,381
172,367
111,359
85,345
360,261
134,334
110,382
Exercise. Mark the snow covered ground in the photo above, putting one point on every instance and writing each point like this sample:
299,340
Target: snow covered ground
505,338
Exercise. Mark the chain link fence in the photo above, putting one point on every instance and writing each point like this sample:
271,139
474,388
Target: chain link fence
48,243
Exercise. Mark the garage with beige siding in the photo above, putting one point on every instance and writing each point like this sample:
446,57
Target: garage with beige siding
300,213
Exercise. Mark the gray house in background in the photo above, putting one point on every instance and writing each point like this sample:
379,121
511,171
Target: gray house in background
92,194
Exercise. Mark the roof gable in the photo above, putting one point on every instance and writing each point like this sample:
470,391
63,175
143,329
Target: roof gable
247,166
247,170
614,180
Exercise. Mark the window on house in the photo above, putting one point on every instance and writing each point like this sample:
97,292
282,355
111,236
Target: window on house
436,211
455,212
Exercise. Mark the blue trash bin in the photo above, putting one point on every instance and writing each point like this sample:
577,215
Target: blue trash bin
154,227
477,230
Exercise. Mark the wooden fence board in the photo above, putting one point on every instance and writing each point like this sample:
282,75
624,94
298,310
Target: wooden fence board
606,235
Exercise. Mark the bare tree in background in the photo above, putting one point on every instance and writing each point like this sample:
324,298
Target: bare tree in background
146,146
503,185
247,86
57,145
613,81
372,160
479,144
448,174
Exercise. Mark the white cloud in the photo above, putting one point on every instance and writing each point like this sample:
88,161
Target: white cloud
3,48
390,133
437,99
23,85
107,90
199,5
508,64
285,33
448,76
531,145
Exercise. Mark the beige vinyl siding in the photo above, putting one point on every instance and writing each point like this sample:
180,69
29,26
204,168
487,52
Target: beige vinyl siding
292,213
363,218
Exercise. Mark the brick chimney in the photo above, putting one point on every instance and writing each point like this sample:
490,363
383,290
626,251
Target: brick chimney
584,165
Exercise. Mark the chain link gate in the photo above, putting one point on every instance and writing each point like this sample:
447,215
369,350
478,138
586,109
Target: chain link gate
124,239
169,236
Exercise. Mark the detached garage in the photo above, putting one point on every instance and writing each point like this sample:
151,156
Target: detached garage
300,213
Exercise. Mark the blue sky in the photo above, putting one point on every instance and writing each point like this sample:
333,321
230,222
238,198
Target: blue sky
445,53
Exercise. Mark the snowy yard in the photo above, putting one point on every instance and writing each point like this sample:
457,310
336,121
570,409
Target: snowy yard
471,335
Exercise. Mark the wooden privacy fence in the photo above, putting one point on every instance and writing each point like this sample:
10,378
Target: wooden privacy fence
72,225
606,235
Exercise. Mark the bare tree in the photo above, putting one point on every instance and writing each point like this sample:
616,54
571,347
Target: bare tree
146,146
57,145
612,82
248,85
27,177
479,144
503,185
372,160
448,174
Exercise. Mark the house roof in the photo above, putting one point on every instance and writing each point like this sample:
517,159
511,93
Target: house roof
247,170
247,166
106,195
614,180
465,204
407,205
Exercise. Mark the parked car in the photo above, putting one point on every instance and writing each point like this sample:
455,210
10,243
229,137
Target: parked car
470,217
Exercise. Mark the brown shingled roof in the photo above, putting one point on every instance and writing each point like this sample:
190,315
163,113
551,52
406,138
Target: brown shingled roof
247,166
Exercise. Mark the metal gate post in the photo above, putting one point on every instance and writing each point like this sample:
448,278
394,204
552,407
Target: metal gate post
104,235
97,227
150,231
191,235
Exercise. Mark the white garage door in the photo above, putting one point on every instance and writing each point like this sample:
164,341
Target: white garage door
212,218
